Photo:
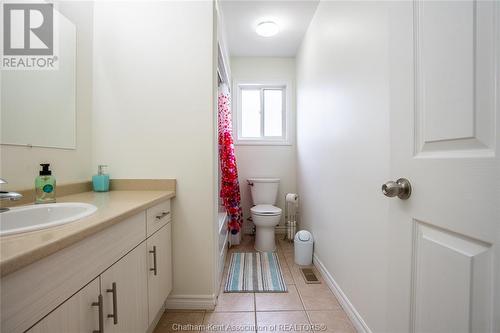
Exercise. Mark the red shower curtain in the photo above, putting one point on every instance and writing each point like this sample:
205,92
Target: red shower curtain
230,188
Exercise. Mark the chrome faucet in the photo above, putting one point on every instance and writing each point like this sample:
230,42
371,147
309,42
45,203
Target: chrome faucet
12,196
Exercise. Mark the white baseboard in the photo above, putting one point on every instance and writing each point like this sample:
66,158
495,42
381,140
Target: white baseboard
191,302
354,315
248,229
280,230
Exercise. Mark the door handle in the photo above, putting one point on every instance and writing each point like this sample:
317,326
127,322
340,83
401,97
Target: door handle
154,270
400,188
162,215
101,318
114,315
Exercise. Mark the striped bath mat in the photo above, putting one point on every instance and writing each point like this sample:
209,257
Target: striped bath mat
255,272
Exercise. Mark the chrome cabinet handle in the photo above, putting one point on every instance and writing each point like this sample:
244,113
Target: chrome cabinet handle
162,215
101,315
114,315
154,270
400,188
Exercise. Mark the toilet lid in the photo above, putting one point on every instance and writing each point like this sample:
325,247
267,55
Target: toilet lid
265,210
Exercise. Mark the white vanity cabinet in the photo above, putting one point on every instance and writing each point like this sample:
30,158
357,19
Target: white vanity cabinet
114,281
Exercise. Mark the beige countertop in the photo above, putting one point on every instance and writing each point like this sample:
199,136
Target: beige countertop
20,250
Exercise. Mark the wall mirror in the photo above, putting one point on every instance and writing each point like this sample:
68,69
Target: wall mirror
38,106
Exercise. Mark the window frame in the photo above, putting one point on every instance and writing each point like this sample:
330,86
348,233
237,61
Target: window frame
284,139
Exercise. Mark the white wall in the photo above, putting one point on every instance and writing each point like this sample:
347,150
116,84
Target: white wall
266,161
20,165
154,117
342,148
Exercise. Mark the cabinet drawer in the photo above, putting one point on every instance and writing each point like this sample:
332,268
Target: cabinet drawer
157,217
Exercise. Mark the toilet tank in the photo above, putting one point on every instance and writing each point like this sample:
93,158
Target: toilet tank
264,190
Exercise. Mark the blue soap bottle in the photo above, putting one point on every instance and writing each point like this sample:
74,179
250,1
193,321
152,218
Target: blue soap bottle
100,182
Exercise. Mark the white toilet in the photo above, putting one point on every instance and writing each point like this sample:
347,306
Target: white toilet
265,215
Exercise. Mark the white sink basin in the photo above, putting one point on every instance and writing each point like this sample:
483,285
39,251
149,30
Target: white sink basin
36,217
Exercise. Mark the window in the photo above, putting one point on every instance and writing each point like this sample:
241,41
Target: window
261,116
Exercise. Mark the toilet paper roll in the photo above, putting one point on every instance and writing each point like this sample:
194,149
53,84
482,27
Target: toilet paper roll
292,198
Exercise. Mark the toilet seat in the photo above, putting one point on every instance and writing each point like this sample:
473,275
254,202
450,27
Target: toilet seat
265,210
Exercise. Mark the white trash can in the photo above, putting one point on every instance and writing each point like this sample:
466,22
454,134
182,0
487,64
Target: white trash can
303,243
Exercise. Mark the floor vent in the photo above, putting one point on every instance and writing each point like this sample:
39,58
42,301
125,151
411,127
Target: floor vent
309,275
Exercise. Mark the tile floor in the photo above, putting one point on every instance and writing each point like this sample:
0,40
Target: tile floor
305,307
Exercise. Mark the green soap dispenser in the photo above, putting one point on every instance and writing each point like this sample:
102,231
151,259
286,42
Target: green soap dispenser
45,186
100,182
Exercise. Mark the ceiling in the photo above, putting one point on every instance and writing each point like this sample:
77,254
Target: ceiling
240,18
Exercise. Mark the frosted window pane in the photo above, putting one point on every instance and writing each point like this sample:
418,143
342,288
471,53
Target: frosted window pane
250,113
273,112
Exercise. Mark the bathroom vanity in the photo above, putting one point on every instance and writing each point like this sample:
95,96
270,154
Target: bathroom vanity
109,272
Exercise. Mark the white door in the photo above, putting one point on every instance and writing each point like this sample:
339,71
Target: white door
159,247
124,289
78,314
445,89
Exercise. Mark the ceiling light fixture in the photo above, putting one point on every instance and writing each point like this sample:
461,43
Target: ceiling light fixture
267,29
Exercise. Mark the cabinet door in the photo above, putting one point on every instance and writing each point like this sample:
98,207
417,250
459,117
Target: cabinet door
160,269
75,315
124,290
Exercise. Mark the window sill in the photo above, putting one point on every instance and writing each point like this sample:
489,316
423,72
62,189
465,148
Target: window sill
261,143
